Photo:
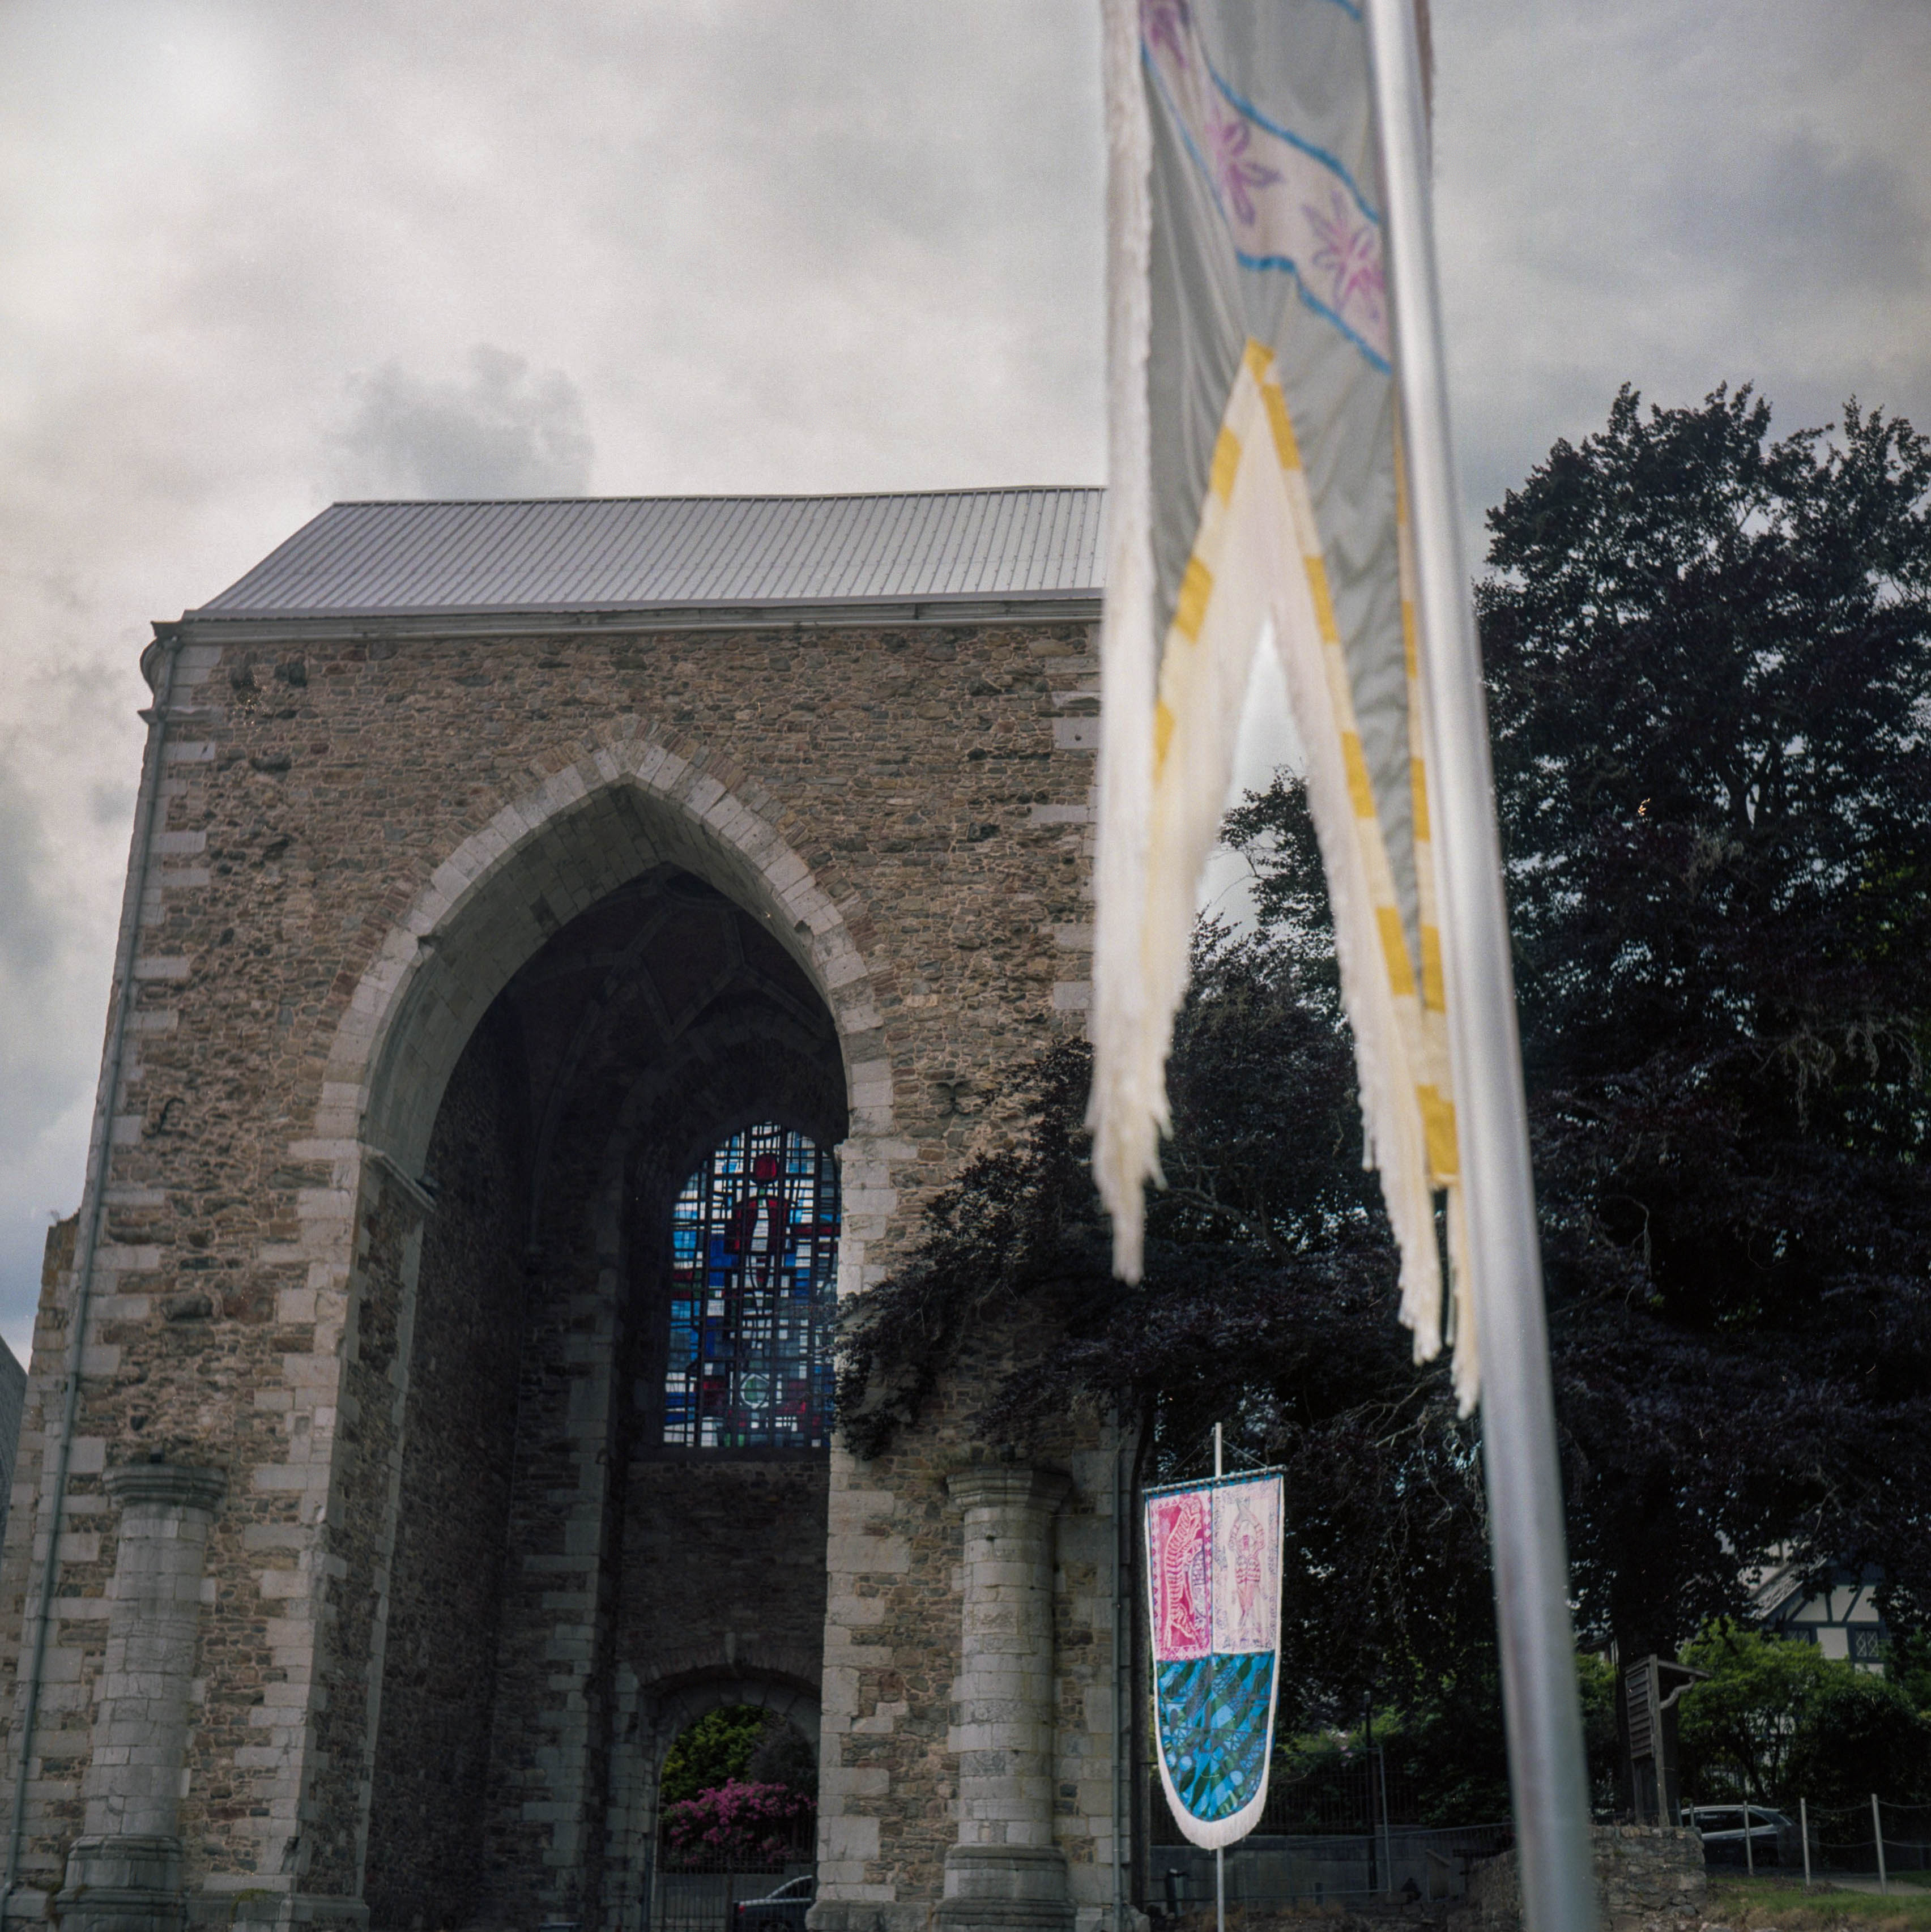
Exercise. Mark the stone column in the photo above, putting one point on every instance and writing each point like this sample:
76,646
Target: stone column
1005,1874
124,1874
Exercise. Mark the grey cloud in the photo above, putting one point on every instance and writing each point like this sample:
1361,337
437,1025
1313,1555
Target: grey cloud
500,432
48,978
31,919
1678,198
1815,223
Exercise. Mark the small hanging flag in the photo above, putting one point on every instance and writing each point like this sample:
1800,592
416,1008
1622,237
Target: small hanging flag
1213,1569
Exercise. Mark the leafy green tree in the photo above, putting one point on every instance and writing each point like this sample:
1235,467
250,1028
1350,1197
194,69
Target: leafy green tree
713,1752
1862,1736
1736,1733
1778,1720
1709,654
1597,1690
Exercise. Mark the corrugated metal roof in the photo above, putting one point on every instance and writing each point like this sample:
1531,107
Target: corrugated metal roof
632,552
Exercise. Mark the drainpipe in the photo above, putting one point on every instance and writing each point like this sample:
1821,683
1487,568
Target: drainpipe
94,1214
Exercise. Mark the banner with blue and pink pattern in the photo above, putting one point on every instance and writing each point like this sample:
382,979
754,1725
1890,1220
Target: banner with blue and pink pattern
1213,1567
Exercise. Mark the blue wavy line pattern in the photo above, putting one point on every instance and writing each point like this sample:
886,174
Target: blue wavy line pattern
1282,263
1216,1714
1294,140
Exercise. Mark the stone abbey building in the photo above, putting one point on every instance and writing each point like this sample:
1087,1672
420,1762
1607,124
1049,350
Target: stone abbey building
565,943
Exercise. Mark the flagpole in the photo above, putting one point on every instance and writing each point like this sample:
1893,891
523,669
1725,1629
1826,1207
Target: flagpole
1518,1440
1220,1852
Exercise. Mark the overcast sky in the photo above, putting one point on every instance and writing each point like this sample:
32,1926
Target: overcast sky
253,258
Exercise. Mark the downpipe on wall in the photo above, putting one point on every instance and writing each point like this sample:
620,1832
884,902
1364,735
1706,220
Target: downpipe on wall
93,1217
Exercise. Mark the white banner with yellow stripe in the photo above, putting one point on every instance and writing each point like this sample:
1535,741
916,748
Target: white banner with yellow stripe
1282,512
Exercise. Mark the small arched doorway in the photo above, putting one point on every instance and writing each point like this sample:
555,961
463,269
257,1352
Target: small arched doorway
737,1812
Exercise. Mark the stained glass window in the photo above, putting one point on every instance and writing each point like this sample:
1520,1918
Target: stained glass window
754,1257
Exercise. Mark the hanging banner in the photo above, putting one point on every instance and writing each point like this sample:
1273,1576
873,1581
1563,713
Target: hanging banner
1257,489
1213,1570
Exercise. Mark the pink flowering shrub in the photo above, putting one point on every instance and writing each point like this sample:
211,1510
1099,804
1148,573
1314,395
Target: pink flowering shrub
756,1821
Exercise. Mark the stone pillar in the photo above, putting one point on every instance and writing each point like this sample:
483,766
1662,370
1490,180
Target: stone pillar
124,1874
1005,1874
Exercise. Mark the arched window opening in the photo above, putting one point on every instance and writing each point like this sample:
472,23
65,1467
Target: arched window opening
754,1259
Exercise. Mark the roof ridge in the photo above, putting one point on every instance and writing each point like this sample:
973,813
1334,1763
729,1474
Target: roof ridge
606,553
756,496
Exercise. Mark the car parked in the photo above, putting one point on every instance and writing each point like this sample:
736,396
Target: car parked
1773,1837
781,1911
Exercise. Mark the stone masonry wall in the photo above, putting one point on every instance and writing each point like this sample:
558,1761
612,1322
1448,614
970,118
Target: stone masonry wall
1647,1879
890,1767
724,1567
426,1812
915,801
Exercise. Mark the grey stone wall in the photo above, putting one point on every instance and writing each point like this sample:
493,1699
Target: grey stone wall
360,838
895,1701
423,1864
724,1567
1647,1879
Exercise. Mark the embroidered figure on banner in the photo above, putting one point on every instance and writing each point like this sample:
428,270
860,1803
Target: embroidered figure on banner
1181,1547
1214,1583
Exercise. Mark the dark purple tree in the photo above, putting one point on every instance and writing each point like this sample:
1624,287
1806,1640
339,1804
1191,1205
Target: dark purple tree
1709,658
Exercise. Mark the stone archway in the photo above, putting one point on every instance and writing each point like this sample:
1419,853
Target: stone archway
655,1707
615,812
427,1015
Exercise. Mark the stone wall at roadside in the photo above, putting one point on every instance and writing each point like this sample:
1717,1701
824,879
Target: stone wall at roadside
1648,1879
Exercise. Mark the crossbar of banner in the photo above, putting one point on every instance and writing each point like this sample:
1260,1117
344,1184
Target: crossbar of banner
1518,1440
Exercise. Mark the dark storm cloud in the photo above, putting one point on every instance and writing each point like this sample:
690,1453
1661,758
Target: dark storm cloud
1678,197
1798,220
499,431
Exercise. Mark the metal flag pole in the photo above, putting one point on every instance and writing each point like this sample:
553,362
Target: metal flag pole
1518,1439
1220,1852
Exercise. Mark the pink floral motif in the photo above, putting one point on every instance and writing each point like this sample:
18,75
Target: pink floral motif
1164,24
1350,254
1228,137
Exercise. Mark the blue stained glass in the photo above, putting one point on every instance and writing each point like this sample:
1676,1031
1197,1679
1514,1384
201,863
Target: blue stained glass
754,1233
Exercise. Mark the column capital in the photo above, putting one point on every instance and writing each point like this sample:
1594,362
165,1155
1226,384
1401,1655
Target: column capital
1008,1486
164,1486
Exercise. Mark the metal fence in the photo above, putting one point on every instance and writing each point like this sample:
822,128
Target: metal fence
1405,1860
1348,1829
1876,1840
1343,1799
698,1891
703,1901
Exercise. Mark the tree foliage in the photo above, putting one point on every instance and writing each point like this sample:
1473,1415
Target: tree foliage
737,1742
744,1822
1267,1304
1707,654
1779,1720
